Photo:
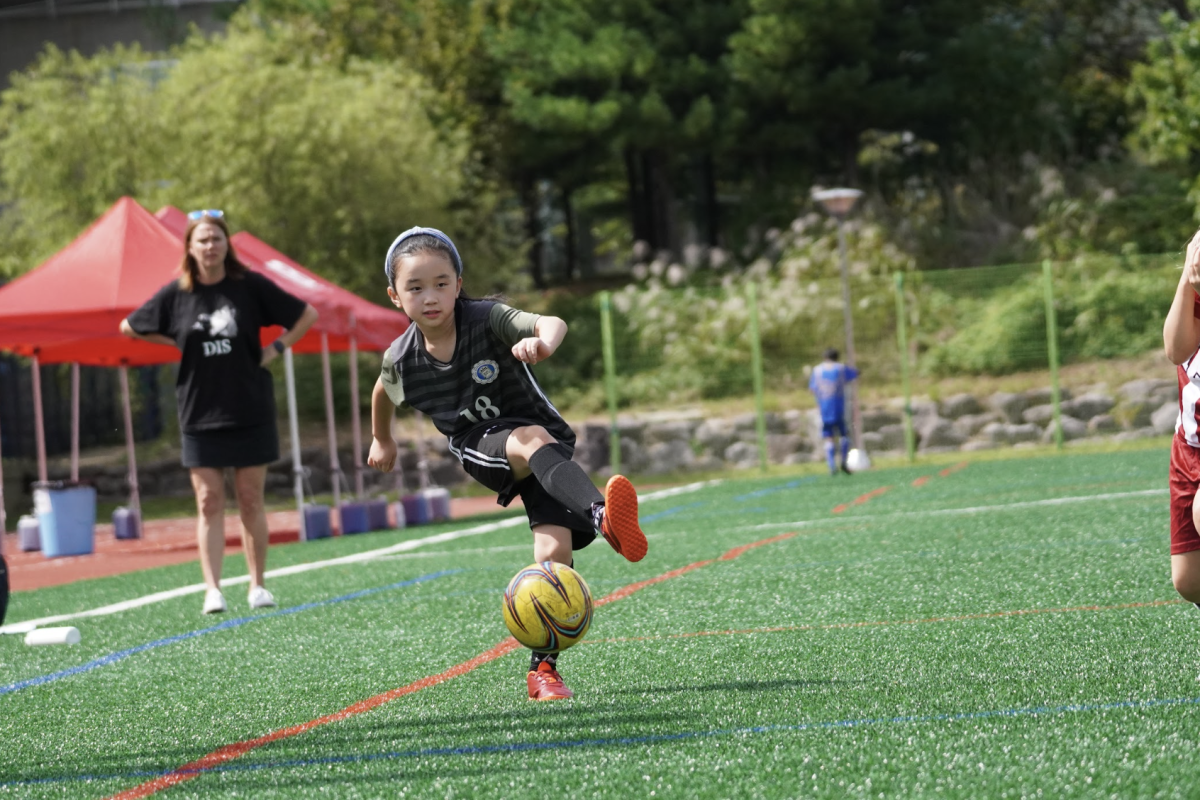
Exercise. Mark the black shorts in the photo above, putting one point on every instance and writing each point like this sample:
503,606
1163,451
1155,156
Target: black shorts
232,447
484,456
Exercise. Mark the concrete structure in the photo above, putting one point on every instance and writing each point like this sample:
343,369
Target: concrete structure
89,25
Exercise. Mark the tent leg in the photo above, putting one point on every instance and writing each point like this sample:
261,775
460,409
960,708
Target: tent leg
294,429
135,499
2,515
39,422
75,421
335,469
355,418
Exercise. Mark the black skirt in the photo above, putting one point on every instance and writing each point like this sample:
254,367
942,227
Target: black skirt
232,447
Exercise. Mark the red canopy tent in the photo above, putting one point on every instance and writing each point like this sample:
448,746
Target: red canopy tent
68,309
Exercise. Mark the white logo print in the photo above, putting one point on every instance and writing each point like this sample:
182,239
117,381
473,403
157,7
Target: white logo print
220,325
485,371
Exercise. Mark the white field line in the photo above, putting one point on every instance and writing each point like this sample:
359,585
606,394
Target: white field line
412,544
1054,501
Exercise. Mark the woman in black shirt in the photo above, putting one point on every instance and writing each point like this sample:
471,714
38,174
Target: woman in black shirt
214,313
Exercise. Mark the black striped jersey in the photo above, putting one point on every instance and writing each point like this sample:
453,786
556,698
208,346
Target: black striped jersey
481,385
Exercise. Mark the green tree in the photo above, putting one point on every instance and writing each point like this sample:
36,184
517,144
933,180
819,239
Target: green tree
74,137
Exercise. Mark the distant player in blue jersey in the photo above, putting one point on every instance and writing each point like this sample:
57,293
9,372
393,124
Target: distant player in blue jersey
828,384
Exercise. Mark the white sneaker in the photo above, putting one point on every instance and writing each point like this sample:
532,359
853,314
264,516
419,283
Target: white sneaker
214,602
261,598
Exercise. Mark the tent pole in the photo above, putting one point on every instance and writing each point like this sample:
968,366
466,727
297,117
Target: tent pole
135,499
294,429
39,423
75,420
355,415
335,469
2,516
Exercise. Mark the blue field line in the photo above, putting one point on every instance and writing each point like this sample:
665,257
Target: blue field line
671,511
520,747
774,489
112,658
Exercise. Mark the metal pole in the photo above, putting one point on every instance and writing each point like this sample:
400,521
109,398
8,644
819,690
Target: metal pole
289,376
756,368
39,422
902,340
2,515
335,468
851,388
1052,348
355,414
75,421
610,381
135,499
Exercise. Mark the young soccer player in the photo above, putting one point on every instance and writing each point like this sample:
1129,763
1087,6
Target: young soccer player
828,383
465,363
1181,338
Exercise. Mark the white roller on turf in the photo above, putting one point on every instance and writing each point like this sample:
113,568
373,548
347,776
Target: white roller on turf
412,544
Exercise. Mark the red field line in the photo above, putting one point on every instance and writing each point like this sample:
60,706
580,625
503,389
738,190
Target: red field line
237,749
858,501
921,481
843,625
954,468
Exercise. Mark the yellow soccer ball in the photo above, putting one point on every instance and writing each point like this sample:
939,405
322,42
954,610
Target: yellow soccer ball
547,607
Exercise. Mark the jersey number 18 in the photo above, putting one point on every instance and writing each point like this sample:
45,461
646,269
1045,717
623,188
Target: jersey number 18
483,405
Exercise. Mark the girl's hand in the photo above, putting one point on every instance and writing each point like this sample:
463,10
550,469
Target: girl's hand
382,456
531,350
1191,262
268,356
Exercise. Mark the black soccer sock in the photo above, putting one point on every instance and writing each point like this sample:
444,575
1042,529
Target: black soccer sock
538,658
564,480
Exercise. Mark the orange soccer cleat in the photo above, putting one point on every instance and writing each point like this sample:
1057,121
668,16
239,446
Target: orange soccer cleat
546,684
620,523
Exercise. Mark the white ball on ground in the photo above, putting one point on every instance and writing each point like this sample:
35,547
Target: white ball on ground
857,460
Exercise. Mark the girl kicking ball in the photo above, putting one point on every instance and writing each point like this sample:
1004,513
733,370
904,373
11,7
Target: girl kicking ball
465,363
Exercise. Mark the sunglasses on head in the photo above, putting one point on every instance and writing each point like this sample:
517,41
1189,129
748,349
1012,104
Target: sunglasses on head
211,213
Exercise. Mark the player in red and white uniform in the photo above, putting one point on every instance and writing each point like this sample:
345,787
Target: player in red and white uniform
1181,338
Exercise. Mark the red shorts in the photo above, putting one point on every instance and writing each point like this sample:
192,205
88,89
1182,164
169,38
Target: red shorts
1185,480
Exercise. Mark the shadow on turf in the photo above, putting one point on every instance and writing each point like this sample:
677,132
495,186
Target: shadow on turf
732,686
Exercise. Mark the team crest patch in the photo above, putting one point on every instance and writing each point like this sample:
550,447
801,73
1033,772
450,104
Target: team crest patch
485,371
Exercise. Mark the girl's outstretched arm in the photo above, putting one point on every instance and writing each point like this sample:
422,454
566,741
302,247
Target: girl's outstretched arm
1181,331
383,447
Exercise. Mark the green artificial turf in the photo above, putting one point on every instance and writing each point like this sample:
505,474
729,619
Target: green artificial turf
1005,629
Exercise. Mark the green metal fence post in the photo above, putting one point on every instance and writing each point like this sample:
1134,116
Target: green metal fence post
610,380
1052,348
756,367
910,439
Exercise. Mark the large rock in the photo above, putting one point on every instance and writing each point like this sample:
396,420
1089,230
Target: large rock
1072,428
782,445
1089,405
1103,423
666,457
970,424
960,405
874,419
1163,420
1039,415
892,437
714,435
1155,391
1008,405
1044,395
742,455
592,446
673,431
939,433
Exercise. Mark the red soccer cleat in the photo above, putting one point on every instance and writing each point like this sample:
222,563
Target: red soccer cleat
620,524
546,684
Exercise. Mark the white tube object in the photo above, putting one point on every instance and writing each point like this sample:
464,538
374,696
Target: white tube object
66,635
